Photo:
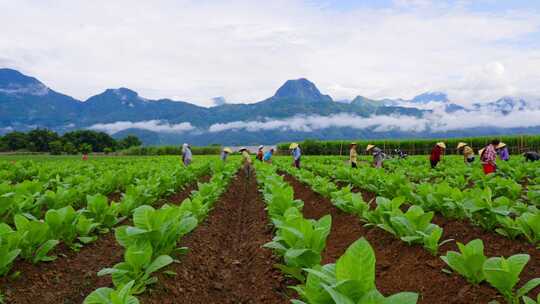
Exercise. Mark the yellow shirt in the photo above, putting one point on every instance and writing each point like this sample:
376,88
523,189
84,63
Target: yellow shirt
246,157
353,155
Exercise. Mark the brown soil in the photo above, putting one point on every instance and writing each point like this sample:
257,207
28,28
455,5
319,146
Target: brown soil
225,262
71,277
401,267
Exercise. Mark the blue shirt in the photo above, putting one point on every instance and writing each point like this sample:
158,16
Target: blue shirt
267,155
296,153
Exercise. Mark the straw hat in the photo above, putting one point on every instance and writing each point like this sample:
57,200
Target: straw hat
261,146
353,144
441,144
228,150
461,145
293,146
501,145
481,151
369,147
242,149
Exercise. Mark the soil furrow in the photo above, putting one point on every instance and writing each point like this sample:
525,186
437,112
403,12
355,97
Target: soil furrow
400,267
71,277
226,262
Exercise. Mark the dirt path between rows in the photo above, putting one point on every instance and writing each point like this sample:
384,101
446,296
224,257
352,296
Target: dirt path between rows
225,262
71,277
399,267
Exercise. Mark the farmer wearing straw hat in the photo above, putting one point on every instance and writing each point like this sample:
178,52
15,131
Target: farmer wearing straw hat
468,153
502,150
378,155
296,154
260,153
488,156
353,156
436,154
186,154
246,161
225,153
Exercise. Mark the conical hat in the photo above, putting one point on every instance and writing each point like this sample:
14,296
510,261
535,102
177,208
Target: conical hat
461,145
369,147
441,144
293,146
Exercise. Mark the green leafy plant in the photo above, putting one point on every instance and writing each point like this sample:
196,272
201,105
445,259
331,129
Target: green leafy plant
351,280
35,242
528,300
99,209
138,266
349,202
104,295
469,261
300,241
68,225
161,228
503,274
483,209
8,248
529,225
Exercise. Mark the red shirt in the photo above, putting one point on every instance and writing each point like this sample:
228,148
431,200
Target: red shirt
436,153
260,155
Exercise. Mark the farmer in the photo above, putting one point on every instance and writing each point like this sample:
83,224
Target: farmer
468,153
353,155
225,153
378,155
502,150
85,156
488,156
296,154
436,154
531,156
260,153
267,158
246,161
186,154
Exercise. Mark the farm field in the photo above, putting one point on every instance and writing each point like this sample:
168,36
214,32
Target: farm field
149,230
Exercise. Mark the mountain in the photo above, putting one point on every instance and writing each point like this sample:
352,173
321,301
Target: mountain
296,111
504,105
301,89
25,101
430,97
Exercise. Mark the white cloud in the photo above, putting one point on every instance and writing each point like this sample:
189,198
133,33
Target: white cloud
150,125
437,121
243,50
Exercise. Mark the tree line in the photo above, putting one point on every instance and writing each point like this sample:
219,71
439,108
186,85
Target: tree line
80,141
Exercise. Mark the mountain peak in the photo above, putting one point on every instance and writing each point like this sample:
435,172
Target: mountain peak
13,82
122,93
431,96
301,89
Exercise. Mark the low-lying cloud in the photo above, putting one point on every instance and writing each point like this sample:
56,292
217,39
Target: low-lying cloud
150,125
436,121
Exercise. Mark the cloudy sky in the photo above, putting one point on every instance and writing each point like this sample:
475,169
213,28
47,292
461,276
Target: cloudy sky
475,50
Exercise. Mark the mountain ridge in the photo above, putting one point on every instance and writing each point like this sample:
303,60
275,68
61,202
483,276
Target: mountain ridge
26,103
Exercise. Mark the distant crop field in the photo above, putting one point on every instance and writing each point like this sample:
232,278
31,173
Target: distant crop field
147,229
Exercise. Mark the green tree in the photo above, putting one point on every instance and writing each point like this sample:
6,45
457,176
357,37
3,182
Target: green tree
70,148
130,141
16,141
56,147
85,148
39,139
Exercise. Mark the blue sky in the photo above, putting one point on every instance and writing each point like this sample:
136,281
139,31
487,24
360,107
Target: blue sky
243,50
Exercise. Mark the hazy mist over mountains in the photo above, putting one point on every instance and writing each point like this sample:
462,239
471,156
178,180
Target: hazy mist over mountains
296,111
